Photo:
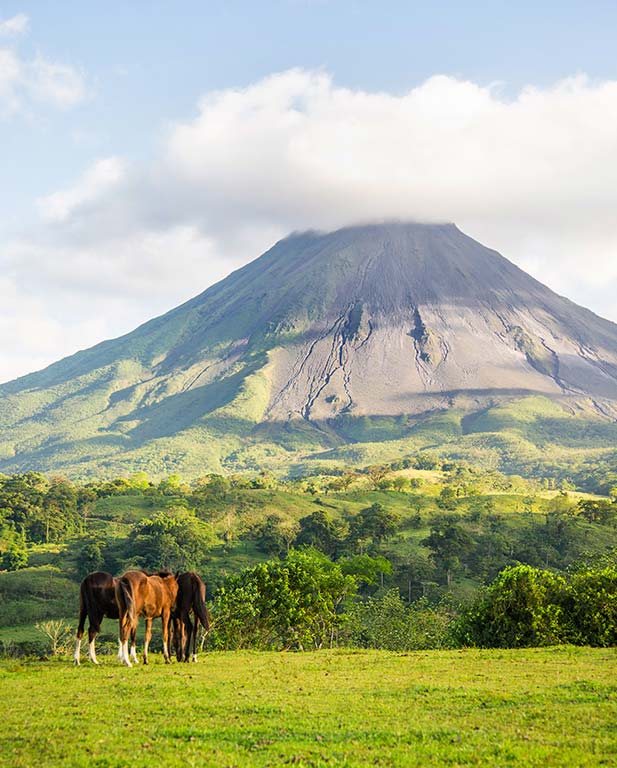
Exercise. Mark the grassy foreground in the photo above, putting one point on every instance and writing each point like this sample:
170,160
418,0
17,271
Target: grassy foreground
549,707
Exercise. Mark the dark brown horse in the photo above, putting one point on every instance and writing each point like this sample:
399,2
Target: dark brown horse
97,600
191,599
139,594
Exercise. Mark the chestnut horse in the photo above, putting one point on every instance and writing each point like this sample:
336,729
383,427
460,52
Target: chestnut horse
139,594
97,600
191,599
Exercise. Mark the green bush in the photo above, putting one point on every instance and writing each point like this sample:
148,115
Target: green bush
293,603
522,607
591,607
387,622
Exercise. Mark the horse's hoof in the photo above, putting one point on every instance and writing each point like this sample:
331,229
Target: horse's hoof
194,657
76,663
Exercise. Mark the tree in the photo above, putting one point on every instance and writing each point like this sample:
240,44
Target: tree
274,535
290,603
377,523
400,483
365,569
16,557
319,531
376,473
449,543
522,607
89,558
597,511
447,498
175,539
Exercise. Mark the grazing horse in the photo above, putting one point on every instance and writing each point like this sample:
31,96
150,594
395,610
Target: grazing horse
191,598
139,594
97,600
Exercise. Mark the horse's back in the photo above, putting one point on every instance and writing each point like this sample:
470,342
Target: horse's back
152,595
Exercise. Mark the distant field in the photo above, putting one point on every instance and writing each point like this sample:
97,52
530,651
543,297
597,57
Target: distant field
549,707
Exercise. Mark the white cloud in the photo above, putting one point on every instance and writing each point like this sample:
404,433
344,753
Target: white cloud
105,174
15,25
54,83
534,176
25,81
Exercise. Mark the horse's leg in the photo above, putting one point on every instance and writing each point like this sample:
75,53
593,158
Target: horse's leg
134,658
195,628
80,633
186,636
123,639
91,641
165,622
147,639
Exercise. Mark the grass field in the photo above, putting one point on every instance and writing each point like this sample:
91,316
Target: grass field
548,707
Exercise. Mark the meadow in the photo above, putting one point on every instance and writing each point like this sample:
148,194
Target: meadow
532,707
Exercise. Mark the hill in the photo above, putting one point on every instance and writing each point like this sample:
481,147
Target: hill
367,343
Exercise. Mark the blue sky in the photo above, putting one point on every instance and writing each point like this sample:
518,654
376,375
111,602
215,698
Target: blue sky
129,109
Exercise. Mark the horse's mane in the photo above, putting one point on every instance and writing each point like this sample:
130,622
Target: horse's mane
162,574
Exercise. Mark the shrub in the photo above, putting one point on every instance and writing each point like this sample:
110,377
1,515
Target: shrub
591,607
522,607
282,604
387,622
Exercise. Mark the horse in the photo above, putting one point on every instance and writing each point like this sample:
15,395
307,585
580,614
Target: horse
191,598
151,596
97,600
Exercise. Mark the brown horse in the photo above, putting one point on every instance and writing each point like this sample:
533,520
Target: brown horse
97,600
139,594
191,599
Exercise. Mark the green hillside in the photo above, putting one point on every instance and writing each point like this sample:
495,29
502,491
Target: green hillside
400,516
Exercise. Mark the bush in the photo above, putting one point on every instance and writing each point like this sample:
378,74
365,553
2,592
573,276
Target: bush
15,558
388,623
293,603
591,607
528,606
522,607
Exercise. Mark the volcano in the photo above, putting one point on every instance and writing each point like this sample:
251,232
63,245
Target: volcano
366,335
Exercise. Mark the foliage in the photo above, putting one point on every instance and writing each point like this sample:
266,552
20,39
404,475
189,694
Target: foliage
527,606
292,603
591,607
387,622
175,540
318,530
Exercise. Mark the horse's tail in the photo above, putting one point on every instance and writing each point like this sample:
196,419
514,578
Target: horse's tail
83,608
126,603
200,607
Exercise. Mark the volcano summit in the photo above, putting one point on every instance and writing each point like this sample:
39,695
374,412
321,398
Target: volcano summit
341,346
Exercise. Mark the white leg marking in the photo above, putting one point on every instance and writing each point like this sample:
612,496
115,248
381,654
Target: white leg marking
92,652
133,655
77,654
194,657
125,654
120,649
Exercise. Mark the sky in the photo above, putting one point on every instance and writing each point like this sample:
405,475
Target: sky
149,148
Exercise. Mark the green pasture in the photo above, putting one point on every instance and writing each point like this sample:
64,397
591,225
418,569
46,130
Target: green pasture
537,707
